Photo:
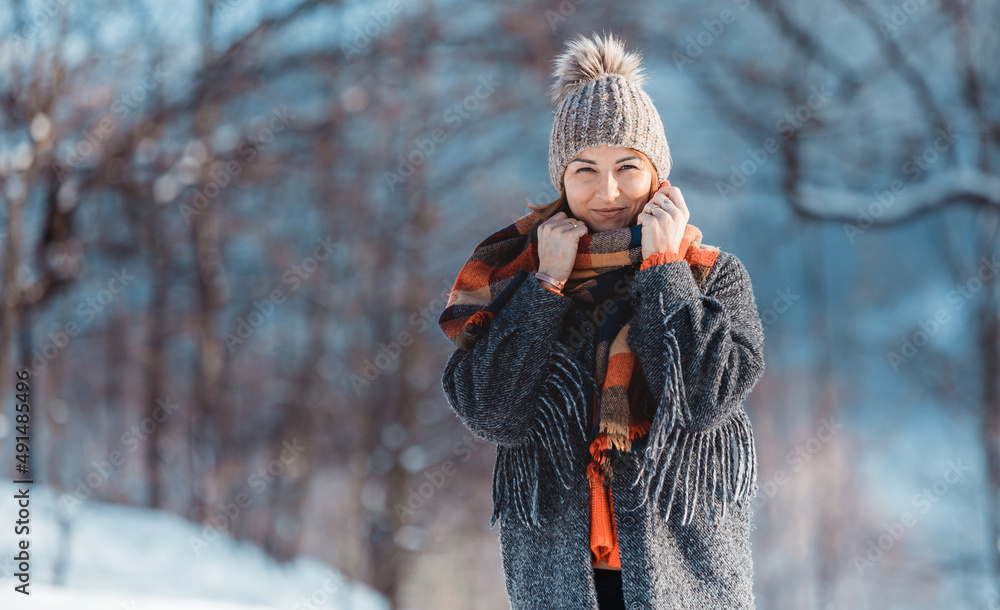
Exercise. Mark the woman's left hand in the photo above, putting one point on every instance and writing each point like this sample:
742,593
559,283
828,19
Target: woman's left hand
663,219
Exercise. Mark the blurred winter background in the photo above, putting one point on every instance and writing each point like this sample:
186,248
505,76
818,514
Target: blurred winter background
228,227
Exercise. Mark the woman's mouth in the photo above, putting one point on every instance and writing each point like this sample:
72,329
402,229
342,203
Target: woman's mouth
609,212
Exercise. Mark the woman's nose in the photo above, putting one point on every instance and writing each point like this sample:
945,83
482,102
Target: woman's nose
609,188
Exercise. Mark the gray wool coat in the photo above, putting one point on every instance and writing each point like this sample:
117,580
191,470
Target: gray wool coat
682,502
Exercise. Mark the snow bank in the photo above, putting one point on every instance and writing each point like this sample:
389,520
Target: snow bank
120,557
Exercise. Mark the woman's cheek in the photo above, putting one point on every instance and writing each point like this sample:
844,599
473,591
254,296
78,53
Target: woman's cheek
637,186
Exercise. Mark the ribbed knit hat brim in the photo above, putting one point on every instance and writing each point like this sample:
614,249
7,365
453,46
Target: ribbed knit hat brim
599,99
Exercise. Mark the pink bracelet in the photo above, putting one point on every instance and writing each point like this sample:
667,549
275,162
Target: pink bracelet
559,285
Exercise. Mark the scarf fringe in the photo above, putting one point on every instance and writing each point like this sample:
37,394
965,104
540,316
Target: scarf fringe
726,455
714,466
562,413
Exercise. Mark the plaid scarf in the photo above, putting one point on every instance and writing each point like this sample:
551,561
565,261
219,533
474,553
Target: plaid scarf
486,282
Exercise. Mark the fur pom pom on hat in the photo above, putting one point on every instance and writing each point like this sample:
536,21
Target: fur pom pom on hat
589,59
598,99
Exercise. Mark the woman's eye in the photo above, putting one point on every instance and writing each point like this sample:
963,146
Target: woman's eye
590,169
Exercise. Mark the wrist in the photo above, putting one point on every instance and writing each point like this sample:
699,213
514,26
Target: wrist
549,287
545,278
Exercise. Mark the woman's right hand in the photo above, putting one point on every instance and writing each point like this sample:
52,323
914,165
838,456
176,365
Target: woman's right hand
558,240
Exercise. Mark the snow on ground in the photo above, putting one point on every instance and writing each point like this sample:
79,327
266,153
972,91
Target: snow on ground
47,597
120,557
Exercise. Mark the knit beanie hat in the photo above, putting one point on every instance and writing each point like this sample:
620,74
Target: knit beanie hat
598,99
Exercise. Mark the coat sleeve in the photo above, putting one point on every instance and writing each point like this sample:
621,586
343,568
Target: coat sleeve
716,333
494,388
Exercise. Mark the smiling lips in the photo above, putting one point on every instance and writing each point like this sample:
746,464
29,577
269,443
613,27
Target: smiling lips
609,212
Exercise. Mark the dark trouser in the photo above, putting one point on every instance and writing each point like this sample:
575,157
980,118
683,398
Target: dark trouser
609,589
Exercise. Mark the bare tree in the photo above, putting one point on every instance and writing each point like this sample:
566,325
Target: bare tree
868,134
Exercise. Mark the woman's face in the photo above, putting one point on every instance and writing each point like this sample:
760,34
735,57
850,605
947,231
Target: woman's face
607,186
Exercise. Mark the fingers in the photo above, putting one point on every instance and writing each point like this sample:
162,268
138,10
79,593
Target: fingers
559,219
657,216
675,196
655,213
660,203
562,221
561,224
670,200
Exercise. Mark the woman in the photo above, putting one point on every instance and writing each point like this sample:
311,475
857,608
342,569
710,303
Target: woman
607,352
